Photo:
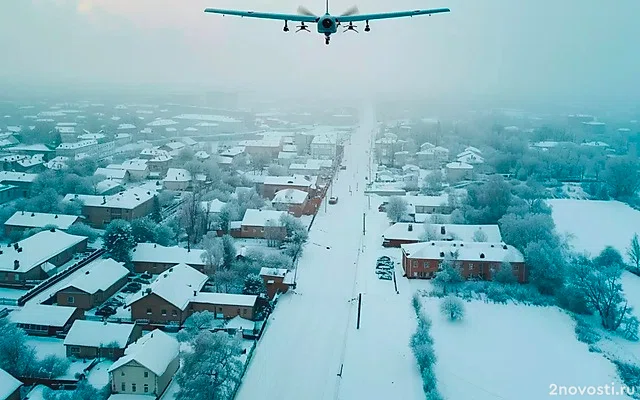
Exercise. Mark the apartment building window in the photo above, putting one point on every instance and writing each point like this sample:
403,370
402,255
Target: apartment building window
71,300
133,387
149,311
174,313
123,386
414,263
471,267
146,374
75,349
164,313
146,388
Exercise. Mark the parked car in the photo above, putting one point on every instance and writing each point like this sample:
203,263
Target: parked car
385,276
343,167
106,311
333,199
384,258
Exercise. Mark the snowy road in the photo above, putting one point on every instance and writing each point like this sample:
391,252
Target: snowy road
312,334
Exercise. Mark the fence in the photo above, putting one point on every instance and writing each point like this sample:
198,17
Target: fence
46,284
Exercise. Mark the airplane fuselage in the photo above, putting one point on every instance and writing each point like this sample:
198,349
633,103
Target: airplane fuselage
327,25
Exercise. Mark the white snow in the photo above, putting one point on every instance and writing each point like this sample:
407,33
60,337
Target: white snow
176,285
154,253
162,122
485,355
98,377
243,300
177,175
294,180
101,275
8,384
253,217
111,173
97,334
10,293
467,251
40,220
209,118
40,314
36,250
290,196
465,233
154,351
129,199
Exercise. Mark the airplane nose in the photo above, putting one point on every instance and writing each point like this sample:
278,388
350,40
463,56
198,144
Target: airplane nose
327,23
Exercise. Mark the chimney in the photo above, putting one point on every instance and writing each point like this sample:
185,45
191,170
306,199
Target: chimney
443,231
56,216
52,230
195,293
33,214
155,245
16,264
104,200
410,227
22,212
15,245
481,255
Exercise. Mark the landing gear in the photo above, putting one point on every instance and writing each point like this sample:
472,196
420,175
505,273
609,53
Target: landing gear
302,27
286,28
326,40
367,28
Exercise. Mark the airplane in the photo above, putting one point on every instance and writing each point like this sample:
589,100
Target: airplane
327,24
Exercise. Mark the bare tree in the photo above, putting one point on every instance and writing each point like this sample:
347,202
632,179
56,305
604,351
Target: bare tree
452,308
213,255
633,251
192,218
397,208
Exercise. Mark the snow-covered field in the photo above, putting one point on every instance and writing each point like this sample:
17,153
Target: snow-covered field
596,224
207,117
511,352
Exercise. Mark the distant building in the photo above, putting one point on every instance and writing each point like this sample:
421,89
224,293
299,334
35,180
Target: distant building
22,221
45,320
594,127
177,179
262,148
324,147
293,201
128,205
96,339
406,233
147,367
8,193
119,174
263,224
273,184
138,168
93,287
276,280
477,260
21,180
32,258
156,259
458,171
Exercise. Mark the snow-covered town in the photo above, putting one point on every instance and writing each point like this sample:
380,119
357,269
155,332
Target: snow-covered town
349,254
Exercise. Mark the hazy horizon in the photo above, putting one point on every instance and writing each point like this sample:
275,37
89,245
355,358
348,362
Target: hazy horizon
569,51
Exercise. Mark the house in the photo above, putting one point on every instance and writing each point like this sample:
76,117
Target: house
470,157
224,305
404,233
432,157
428,204
177,179
263,224
167,299
277,280
173,146
71,149
268,148
233,155
32,258
45,320
97,284
8,193
293,201
96,339
324,147
401,158
202,155
458,171
147,367
213,207
137,168
273,184
156,259
22,180
304,169
127,205
159,165
9,386
109,187
119,174
22,221
477,260
187,140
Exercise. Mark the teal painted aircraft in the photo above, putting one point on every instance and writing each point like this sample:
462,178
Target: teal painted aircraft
327,24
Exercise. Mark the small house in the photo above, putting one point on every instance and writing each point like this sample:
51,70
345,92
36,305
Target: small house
95,339
45,320
276,280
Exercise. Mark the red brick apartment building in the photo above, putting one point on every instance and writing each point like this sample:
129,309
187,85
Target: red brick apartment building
477,260
274,184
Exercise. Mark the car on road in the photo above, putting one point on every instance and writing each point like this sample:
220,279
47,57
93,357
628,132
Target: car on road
333,200
343,167
384,275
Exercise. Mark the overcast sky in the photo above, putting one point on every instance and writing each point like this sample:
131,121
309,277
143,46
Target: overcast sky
544,48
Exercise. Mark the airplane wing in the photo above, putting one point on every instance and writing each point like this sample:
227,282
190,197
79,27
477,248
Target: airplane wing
262,15
398,14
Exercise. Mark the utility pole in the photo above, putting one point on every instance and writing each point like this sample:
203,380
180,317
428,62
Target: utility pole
364,229
359,308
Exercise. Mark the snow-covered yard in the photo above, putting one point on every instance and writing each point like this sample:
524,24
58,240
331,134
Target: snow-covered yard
511,352
46,346
98,377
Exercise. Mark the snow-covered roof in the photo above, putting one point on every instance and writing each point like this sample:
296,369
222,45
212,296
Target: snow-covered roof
126,126
92,136
459,165
42,314
319,163
101,276
465,233
473,149
295,180
112,173
135,164
278,272
177,175
233,151
187,140
202,155
290,196
253,217
467,251
207,117
213,206
162,122
290,148
595,144
154,351
154,253
285,155
40,220
324,139
426,201
471,158
31,147
242,300
8,384
36,250
260,143
594,123
107,185
77,145
305,167
128,199
13,158
98,334
176,285
175,145
426,145
238,322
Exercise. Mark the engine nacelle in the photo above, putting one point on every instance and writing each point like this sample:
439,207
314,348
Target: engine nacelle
327,25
